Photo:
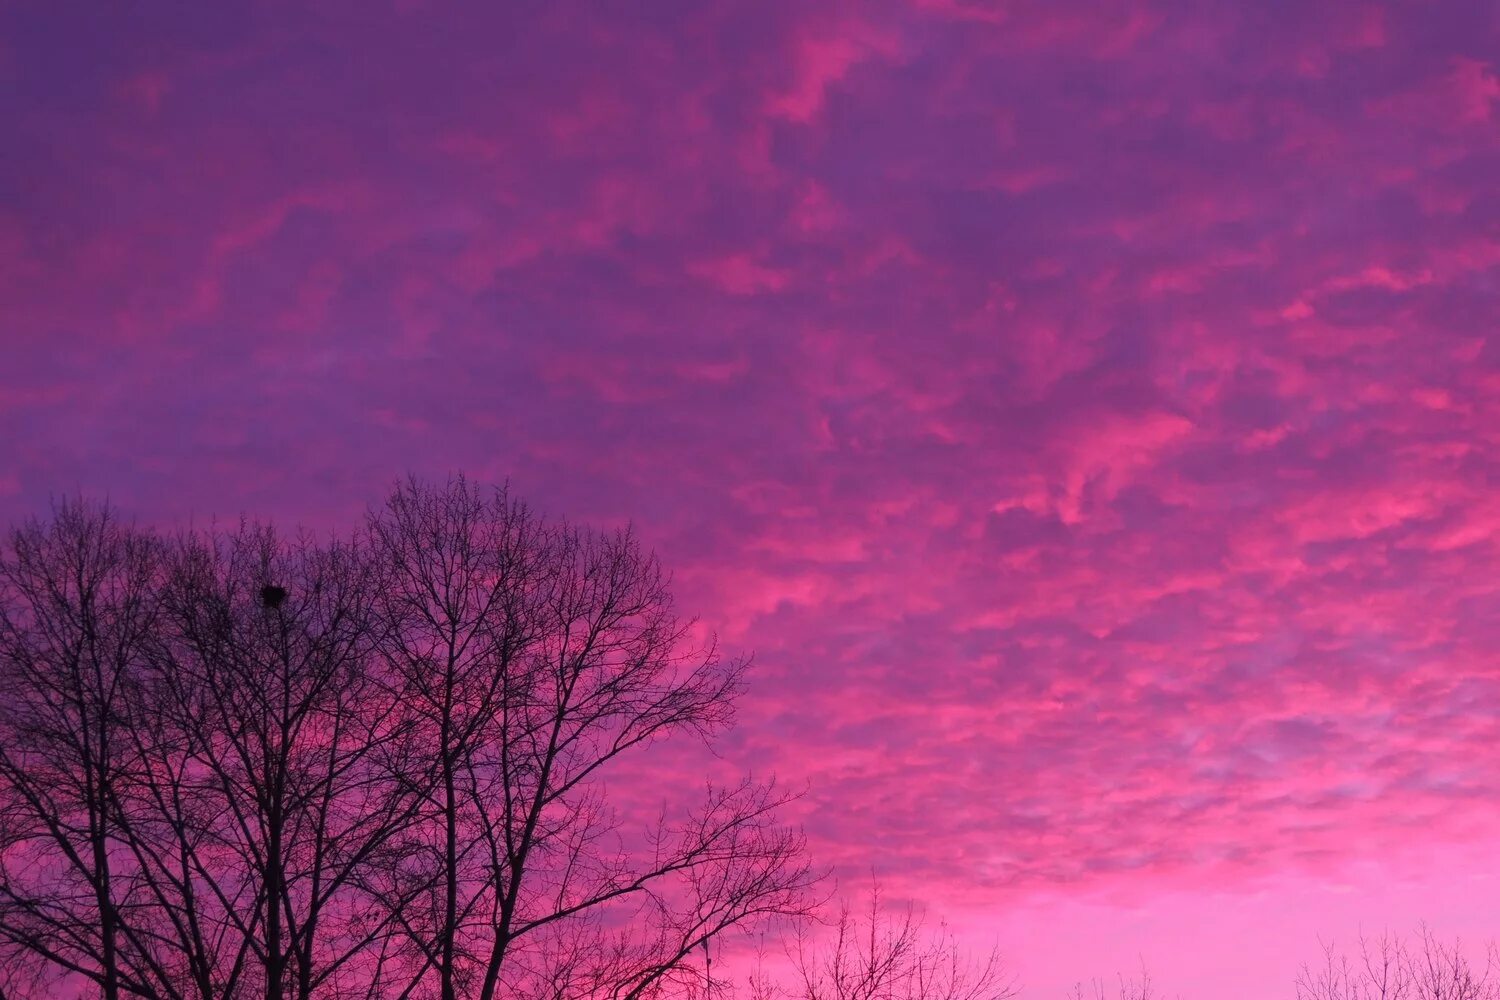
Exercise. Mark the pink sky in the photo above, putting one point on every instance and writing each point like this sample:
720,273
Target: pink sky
1088,413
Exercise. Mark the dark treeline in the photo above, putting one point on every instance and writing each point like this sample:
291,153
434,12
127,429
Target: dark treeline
248,764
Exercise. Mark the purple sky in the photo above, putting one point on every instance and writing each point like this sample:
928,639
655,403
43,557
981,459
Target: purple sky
1088,413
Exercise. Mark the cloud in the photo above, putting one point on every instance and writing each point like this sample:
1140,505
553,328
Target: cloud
1088,418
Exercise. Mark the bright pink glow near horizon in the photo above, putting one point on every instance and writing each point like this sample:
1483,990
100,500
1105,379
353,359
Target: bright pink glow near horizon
1088,413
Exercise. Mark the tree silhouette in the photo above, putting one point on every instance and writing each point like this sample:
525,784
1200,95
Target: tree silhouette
79,609
381,775
535,655
1389,967
882,953
1124,988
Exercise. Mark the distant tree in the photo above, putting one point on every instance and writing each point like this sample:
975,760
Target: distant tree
1392,968
249,765
885,953
1125,988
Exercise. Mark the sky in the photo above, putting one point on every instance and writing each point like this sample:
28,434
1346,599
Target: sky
1087,413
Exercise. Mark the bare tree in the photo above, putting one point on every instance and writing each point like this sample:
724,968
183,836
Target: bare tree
273,796
1391,968
78,609
886,954
536,656
246,765
1380,971
198,789
1125,988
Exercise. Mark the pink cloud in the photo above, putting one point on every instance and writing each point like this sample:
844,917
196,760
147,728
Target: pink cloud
1087,417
